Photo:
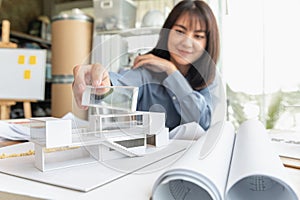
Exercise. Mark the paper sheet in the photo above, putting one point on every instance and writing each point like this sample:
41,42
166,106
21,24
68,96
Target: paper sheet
286,143
189,131
256,170
243,168
14,131
209,172
20,130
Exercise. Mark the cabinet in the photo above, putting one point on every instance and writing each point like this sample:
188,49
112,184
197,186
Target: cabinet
116,50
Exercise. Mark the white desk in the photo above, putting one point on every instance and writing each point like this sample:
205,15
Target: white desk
133,186
129,187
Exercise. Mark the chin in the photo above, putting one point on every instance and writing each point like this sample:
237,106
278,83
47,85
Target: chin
183,61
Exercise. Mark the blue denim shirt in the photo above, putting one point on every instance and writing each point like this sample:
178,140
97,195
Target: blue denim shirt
171,94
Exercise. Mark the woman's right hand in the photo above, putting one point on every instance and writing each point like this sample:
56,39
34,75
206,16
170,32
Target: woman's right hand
95,75
154,63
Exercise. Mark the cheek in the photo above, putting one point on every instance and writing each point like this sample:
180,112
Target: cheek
200,45
171,43
200,48
199,53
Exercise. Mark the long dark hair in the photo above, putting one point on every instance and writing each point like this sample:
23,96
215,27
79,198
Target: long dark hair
202,71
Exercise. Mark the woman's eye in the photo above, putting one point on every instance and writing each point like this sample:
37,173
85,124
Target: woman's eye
199,37
179,31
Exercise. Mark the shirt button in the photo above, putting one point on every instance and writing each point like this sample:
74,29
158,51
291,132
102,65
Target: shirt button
174,98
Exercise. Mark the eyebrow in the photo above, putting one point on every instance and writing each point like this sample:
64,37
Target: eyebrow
183,27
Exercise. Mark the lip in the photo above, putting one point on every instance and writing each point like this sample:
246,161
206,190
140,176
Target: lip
184,53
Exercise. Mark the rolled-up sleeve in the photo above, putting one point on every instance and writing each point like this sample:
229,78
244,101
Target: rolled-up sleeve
193,106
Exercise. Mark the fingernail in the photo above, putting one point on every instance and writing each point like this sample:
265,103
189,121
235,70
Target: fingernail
81,86
97,83
84,107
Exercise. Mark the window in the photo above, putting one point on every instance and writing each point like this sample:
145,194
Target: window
260,61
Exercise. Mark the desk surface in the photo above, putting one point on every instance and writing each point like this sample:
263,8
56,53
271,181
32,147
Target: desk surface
133,186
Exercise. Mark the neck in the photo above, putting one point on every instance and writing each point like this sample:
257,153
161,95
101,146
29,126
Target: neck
182,68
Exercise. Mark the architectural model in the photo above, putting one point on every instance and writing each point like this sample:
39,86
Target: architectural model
111,135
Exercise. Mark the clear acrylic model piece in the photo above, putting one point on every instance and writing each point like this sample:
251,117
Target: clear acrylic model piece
111,97
107,135
129,134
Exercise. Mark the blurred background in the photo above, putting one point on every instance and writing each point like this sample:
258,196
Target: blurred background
259,58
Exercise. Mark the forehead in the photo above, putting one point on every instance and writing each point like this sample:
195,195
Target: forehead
191,21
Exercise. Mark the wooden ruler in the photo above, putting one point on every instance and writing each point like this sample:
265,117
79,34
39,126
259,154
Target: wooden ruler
290,162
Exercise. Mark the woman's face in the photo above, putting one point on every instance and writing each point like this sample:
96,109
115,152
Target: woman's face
187,41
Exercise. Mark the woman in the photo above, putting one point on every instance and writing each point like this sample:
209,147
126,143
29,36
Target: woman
176,75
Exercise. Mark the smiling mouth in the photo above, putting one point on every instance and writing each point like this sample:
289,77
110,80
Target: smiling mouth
182,52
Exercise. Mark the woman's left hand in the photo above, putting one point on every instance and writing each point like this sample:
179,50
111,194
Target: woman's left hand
154,63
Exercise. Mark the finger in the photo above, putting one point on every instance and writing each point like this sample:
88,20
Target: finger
135,62
78,97
99,75
140,61
147,59
80,72
105,80
144,63
96,75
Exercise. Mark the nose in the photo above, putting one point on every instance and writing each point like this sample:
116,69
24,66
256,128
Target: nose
187,41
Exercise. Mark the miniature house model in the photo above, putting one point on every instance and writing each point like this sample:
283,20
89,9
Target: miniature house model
111,135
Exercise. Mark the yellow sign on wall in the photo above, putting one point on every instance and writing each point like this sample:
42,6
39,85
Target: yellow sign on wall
21,60
32,60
